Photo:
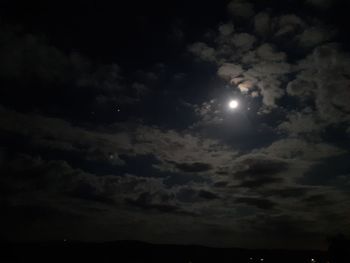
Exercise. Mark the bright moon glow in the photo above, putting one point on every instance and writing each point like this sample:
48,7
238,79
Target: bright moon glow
233,104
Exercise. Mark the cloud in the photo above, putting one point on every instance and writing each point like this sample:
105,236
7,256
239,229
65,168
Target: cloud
207,195
287,192
255,166
226,29
324,73
60,134
243,41
245,86
301,123
289,25
59,180
301,88
106,77
182,150
193,167
256,171
240,9
51,192
260,181
229,71
252,65
257,202
53,177
273,70
253,182
145,201
196,195
267,52
299,149
32,66
203,51
26,56
313,36
262,24
270,91
173,146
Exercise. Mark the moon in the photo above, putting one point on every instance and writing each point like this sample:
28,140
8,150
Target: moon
233,104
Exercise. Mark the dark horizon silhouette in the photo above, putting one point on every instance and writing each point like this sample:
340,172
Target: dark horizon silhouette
136,251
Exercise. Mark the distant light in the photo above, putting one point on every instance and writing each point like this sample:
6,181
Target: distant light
313,260
261,259
233,104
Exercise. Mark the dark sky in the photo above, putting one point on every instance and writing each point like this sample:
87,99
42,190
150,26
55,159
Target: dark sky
115,121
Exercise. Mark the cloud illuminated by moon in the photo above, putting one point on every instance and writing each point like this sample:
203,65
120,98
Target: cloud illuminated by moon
233,104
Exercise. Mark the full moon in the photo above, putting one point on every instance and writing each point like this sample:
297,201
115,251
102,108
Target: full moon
233,104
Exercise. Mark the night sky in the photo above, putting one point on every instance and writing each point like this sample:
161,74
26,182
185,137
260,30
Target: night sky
115,121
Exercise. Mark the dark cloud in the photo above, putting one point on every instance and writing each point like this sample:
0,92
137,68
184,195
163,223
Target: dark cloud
207,195
26,56
195,194
184,179
302,123
34,68
260,182
240,9
144,201
262,24
329,171
257,171
221,184
300,149
226,29
287,192
315,35
89,192
257,202
203,51
254,167
317,199
186,194
193,167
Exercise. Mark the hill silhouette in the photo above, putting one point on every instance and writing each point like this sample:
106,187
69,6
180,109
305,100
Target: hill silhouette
135,251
